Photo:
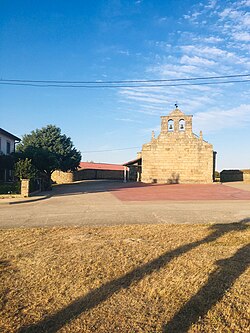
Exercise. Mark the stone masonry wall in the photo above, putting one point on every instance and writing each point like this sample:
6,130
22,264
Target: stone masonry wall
246,177
25,187
177,155
61,177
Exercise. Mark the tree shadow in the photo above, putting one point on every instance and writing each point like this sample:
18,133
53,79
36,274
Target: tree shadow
4,263
54,322
5,267
94,186
171,190
218,283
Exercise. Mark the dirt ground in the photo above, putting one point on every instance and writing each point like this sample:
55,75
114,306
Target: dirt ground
133,278
95,256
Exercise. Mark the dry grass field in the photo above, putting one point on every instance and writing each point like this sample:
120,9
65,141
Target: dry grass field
150,278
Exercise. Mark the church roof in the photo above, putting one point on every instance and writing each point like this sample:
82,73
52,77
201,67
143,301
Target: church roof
176,113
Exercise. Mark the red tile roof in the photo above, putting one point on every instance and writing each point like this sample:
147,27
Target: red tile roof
100,166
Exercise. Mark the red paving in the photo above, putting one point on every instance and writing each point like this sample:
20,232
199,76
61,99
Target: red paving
179,192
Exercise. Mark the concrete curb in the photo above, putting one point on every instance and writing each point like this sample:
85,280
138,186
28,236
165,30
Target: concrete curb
26,200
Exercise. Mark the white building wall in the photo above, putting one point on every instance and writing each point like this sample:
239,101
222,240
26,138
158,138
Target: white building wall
3,147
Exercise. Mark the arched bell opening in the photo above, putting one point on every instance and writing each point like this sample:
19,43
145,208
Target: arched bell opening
181,125
170,125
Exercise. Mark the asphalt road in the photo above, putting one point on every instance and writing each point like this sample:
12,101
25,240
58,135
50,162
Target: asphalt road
94,203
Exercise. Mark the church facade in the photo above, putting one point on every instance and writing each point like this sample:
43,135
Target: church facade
177,155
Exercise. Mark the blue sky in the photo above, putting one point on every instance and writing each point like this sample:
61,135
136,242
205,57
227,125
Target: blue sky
105,40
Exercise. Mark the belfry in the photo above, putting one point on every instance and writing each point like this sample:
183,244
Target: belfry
177,155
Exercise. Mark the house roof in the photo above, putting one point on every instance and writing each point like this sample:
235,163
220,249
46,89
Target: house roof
9,135
137,160
100,166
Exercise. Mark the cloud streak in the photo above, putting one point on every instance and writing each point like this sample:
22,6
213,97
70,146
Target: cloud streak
218,119
221,49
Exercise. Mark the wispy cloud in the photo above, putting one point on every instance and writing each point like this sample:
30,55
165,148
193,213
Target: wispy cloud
123,52
242,36
185,59
220,49
211,4
128,120
218,118
211,39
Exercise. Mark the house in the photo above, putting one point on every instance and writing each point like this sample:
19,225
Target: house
90,170
177,155
7,146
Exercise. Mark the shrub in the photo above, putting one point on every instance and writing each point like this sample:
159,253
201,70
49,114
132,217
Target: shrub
13,188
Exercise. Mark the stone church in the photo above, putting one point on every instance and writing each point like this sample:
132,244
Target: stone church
177,155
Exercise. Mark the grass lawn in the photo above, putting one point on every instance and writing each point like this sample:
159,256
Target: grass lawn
138,278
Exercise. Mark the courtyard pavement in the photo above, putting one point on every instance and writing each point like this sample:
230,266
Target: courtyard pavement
112,202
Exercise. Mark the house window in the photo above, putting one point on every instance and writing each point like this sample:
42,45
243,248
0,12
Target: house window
170,125
182,125
8,148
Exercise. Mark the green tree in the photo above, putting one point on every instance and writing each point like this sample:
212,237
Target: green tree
24,169
49,150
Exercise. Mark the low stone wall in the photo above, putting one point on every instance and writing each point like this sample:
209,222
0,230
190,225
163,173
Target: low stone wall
84,174
235,176
246,175
61,177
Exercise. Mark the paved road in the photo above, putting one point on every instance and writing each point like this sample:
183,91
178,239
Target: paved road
92,203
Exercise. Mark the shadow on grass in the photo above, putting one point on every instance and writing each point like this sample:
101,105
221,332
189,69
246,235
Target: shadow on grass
218,283
54,322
